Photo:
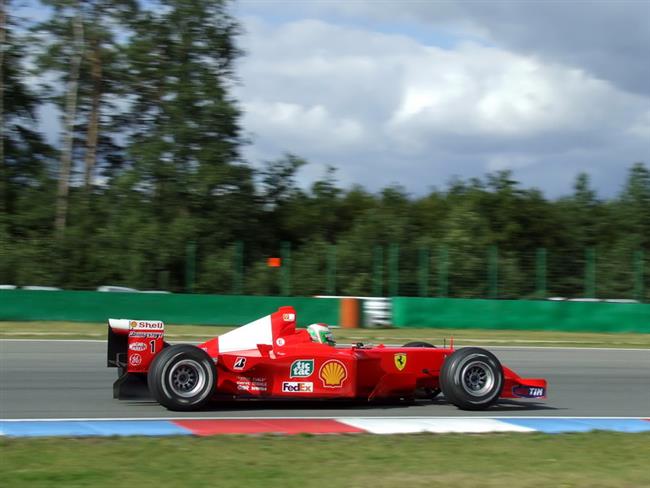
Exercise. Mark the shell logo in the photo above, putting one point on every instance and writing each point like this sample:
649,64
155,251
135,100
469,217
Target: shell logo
333,373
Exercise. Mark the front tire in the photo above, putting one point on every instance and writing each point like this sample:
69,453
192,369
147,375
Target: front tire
182,377
472,378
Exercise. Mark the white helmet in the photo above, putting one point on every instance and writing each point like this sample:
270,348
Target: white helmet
321,333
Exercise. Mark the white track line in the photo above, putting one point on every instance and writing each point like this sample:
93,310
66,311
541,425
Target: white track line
494,346
482,417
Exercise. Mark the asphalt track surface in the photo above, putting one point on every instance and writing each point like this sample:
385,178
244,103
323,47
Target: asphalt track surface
68,379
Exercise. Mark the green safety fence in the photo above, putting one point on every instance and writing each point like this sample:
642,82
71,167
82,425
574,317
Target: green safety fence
521,314
89,306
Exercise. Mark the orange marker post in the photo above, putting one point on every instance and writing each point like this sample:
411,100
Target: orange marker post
349,313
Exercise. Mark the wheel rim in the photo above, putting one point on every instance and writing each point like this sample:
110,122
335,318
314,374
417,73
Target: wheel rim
186,378
477,378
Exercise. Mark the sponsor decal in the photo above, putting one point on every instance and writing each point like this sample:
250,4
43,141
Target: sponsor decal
289,317
280,342
245,383
135,360
240,363
146,335
400,361
137,346
528,391
297,387
302,368
145,324
333,373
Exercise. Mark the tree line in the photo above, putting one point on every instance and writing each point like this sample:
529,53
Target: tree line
148,187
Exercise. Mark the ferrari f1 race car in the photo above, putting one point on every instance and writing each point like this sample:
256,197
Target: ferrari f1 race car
271,359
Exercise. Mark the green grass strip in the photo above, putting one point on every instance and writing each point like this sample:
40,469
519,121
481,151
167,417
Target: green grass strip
593,460
179,333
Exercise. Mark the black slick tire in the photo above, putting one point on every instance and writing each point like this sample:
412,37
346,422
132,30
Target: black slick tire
418,344
472,378
182,377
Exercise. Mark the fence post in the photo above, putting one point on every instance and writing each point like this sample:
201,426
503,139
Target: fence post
190,266
638,275
331,269
238,265
493,271
540,272
393,270
590,273
163,279
285,287
443,274
423,271
378,272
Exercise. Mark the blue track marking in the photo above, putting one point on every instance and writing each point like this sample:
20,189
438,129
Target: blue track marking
85,428
117,427
551,425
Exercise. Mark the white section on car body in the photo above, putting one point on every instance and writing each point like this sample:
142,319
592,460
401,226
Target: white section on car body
248,336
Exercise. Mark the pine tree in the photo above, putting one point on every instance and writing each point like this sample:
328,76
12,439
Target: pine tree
184,130
25,187
79,47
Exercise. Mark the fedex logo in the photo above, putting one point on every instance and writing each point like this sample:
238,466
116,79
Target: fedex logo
298,386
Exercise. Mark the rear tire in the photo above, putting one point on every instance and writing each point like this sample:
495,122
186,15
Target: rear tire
428,393
418,344
472,378
182,377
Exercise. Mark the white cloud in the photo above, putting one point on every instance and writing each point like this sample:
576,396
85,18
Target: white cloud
314,124
387,108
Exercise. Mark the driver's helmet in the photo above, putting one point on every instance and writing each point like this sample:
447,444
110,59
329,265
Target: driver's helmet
321,333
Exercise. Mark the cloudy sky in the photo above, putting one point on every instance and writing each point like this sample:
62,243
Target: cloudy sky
416,92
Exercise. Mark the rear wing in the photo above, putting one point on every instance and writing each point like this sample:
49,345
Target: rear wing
132,344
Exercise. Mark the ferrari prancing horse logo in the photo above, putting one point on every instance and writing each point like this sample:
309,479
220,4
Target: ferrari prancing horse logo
400,361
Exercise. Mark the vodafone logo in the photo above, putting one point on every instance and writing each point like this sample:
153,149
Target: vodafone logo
137,346
280,342
135,360
289,317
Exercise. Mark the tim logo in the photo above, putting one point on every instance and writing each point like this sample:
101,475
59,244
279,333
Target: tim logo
528,392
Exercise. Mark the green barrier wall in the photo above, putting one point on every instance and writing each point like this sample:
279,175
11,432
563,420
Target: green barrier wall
521,314
89,306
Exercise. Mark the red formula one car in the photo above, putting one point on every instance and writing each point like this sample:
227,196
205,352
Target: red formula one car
271,359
